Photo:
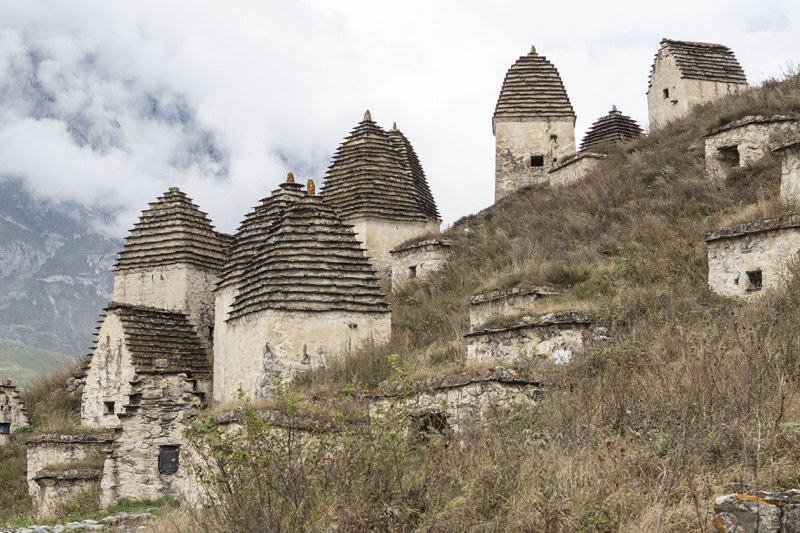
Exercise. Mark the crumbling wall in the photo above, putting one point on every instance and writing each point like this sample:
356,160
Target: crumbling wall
573,169
270,345
790,174
180,287
458,400
514,302
763,512
56,488
379,236
744,142
12,411
736,263
417,261
152,420
517,141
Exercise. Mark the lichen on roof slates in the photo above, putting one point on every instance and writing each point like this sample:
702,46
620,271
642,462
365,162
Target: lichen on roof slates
377,173
173,230
704,61
612,128
308,261
532,88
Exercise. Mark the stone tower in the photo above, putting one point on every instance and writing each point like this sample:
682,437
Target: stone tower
171,261
685,74
376,183
297,291
612,128
533,124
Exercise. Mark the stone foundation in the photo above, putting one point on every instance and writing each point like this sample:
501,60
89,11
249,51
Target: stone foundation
514,302
557,337
417,261
449,403
573,169
744,142
763,512
12,411
790,173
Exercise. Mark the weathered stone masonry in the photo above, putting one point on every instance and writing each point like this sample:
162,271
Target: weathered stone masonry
12,411
790,173
418,261
762,512
508,303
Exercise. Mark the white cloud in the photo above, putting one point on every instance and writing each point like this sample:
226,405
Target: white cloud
145,86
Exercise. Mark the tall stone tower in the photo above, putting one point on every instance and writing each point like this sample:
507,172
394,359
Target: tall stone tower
533,124
376,183
685,74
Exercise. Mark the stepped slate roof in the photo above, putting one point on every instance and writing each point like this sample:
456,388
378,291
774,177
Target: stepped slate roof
704,61
309,261
532,88
612,128
375,173
173,230
159,339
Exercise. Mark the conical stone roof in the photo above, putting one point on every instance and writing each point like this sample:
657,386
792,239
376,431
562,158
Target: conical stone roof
309,261
173,230
612,128
704,61
376,173
532,89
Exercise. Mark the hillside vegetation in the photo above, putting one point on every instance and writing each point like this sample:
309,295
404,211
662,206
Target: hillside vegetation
694,396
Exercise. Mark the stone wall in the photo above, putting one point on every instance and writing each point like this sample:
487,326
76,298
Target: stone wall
744,142
270,345
154,418
790,174
12,411
108,377
51,462
557,337
516,142
417,261
180,287
573,169
513,302
684,93
763,512
460,399
746,263
379,236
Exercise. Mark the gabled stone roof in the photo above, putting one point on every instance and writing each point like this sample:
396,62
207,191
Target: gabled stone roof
704,61
612,128
757,226
376,173
254,229
309,261
752,120
173,230
532,89
159,339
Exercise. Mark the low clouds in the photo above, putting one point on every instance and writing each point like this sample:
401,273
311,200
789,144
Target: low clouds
111,103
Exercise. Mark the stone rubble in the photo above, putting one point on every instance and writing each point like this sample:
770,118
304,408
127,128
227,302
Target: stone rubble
122,522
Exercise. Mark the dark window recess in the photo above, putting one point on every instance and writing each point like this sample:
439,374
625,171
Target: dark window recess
5,428
754,280
430,425
211,332
168,460
537,160
412,272
666,93
109,408
554,137
729,156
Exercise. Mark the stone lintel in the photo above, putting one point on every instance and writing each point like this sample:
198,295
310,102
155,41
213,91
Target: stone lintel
540,290
86,438
553,319
757,226
752,119
791,145
574,159
66,475
421,244
443,381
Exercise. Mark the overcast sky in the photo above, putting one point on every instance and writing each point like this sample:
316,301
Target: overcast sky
111,102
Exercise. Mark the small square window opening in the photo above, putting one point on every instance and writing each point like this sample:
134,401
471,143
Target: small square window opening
168,460
754,280
666,94
108,408
412,271
5,428
537,160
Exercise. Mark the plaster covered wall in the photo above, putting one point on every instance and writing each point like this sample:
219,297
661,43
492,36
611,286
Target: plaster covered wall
108,378
417,261
743,145
516,142
379,236
506,303
683,92
730,259
509,346
573,170
270,345
790,177
179,287
12,411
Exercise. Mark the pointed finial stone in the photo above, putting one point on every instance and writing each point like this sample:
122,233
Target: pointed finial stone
613,108
533,50
368,115
394,126
289,178
174,189
310,188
